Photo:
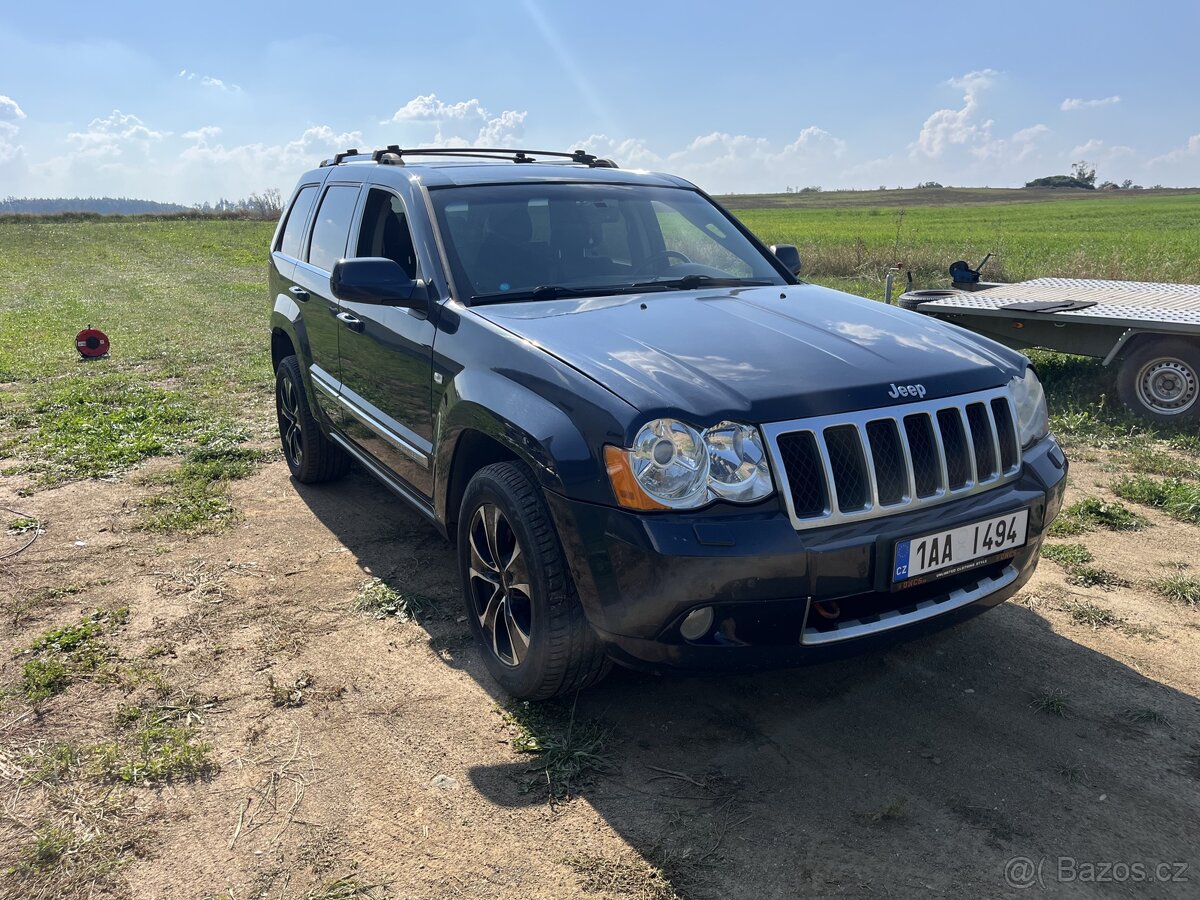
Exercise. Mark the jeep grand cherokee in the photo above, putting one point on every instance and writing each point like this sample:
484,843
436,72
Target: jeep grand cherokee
649,441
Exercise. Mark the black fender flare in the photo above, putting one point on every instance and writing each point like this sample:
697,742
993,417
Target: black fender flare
526,424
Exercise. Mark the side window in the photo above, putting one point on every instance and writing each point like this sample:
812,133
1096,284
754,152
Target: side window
293,230
332,227
385,231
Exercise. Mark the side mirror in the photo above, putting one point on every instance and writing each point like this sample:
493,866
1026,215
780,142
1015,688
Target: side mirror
377,280
788,255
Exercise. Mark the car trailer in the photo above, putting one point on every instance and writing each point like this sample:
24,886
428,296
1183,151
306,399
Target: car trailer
1150,331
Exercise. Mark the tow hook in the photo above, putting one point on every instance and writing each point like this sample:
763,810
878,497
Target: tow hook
827,609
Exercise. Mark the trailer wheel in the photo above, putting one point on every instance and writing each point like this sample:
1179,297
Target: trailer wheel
1160,381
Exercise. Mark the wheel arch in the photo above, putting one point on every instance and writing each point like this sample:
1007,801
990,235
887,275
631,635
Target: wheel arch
485,418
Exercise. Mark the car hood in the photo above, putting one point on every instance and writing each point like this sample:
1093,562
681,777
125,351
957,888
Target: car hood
757,354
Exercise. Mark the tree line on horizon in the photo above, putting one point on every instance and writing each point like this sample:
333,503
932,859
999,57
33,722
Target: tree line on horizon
267,204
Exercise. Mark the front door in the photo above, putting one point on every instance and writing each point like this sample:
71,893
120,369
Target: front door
386,356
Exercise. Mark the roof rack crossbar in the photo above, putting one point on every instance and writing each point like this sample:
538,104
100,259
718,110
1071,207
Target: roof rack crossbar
395,154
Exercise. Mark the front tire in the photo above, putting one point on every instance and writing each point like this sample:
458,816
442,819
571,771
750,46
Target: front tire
311,457
1160,381
520,599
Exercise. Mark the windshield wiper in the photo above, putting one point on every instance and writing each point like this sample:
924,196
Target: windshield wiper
691,282
552,292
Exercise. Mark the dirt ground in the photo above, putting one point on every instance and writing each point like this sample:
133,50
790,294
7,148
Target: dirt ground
922,770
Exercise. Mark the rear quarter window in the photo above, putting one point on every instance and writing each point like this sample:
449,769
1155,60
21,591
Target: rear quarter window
293,230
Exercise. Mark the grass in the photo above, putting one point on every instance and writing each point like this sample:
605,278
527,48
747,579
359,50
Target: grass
196,499
1052,702
347,887
1076,560
1094,616
1179,587
1145,715
1177,498
1148,460
1092,512
65,653
1071,774
382,600
49,845
1137,236
175,298
636,878
151,746
568,752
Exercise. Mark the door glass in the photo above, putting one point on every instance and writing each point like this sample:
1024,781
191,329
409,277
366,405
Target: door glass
293,231
332,226
385,231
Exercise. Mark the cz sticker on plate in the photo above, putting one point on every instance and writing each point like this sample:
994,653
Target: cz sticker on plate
955,550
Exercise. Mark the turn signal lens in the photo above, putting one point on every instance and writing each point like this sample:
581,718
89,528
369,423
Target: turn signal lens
624,483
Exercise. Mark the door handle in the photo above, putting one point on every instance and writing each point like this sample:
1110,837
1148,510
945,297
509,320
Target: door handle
298,292
354,323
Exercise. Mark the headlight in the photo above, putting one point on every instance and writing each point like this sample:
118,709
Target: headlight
1033,422
675,466
737,468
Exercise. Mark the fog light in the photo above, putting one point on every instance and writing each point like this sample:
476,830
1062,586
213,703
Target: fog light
697,623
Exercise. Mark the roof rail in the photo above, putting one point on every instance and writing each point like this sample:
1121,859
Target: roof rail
393,154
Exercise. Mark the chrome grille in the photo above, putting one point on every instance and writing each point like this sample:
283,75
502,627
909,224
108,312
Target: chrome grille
877,462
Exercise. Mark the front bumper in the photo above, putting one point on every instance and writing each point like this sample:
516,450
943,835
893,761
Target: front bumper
639,575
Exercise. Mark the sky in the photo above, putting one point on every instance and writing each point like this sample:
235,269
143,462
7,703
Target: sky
197,101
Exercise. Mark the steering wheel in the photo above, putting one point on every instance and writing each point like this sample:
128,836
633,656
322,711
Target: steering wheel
668,255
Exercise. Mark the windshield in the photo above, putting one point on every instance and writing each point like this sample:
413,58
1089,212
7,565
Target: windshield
543,240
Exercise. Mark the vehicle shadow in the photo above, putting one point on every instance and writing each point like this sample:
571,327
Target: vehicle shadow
927,768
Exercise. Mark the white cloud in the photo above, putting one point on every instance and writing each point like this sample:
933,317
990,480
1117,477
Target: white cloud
202,135
209,81
1097,150
725,161
10,114
999,152
462,124
428,108
1073,103
10,111
1190,150
113,135
949,127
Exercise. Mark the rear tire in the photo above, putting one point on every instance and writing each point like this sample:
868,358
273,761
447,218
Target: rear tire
1160,381
520,599
311,456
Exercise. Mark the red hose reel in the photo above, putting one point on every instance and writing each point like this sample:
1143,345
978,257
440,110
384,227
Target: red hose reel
92,343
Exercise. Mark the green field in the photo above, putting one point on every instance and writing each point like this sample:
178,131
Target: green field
1143,236
185,305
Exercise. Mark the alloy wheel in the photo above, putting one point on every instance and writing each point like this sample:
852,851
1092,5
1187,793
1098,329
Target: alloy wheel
287,403
499,585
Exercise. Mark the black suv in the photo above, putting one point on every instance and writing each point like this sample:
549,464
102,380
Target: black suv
648,439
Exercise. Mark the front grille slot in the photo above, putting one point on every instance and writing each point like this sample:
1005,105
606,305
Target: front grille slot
891,474
805,473
926,460
1006,434
954,445
851,481
861,465
983,441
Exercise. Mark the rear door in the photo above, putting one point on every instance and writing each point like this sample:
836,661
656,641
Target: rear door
325,246
386,354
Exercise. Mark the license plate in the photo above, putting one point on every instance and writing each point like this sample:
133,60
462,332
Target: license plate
958,549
